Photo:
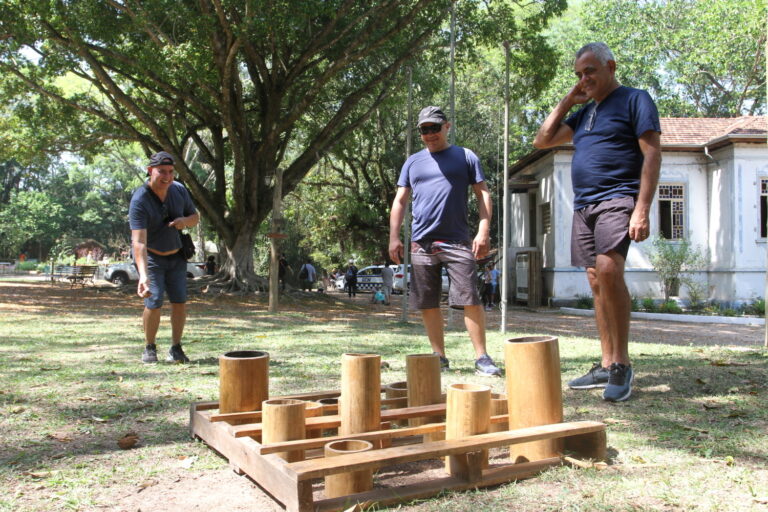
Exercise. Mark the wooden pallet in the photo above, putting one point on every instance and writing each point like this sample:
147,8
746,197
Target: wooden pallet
292,483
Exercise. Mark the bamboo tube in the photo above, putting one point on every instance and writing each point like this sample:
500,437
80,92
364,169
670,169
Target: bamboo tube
397,390
534,393
311,410
243,381
423,377
499,406
468,412
330,405
343,484
360,402
284,420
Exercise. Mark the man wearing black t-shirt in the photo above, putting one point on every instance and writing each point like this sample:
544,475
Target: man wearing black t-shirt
614,172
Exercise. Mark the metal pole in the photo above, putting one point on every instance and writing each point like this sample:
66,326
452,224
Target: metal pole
407,216
452,94
765,295
505,206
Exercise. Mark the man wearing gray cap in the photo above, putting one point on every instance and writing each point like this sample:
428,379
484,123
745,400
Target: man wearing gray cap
159,210
439,177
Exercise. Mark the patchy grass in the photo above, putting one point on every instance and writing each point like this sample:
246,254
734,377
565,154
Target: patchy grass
693,437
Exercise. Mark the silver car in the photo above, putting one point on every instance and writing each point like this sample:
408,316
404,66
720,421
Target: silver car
398,286
123,273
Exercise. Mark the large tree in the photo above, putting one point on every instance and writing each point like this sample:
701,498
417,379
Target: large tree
254,85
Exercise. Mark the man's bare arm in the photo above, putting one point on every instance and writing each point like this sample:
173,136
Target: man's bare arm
139,244
482,242
639,223
396,221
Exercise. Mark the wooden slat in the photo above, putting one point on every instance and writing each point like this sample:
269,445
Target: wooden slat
426,489
378,458
268,470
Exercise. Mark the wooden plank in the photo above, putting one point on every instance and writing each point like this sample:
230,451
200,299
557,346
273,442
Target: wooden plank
426,489
379,458
333,421
267,470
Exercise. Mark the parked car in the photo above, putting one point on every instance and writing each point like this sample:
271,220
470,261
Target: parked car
122,273
400,277
368,279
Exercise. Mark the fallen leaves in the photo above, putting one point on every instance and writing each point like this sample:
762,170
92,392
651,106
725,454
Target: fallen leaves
60,437
128,441
187,462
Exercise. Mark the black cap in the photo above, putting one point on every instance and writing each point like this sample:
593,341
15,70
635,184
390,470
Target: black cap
432,115
161,158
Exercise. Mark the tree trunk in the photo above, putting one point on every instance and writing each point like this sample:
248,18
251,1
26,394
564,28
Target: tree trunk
238,262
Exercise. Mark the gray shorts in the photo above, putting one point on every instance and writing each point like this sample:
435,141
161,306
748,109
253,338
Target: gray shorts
166,274
599,229
428,258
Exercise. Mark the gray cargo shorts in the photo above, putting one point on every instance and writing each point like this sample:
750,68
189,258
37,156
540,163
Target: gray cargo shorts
428,258
599,229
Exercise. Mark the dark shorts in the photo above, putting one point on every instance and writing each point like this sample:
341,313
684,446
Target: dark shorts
166,274
428,258
599,229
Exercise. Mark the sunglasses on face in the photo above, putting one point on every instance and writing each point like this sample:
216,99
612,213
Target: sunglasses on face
433,128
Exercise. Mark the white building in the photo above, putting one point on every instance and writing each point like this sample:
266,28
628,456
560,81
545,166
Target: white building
713,191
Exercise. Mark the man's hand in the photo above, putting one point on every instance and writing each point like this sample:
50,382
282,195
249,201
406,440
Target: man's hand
576,95
481,245
143,289
639,226
179,223
396,250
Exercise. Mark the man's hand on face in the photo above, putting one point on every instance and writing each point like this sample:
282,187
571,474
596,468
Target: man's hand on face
577,95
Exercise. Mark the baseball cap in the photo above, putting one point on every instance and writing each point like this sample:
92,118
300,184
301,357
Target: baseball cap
161,158
432,114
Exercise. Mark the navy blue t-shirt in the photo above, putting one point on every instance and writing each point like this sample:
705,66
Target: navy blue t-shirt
608,161
147,212
439,183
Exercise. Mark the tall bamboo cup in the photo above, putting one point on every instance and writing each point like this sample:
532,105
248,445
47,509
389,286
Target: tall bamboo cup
360,402
397,390
468,413
342,484
243,381
313,409
424,388
534,393
284,420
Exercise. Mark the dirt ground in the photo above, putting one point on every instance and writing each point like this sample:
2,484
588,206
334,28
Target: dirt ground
181,489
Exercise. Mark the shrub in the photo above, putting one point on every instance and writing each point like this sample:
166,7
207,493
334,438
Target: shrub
635,305
756,307
584,302
672,260
649,305
670,306
26,265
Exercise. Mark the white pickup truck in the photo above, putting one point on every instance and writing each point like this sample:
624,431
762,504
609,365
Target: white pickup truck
122,273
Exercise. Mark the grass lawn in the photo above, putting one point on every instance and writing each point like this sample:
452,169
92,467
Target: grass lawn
693,437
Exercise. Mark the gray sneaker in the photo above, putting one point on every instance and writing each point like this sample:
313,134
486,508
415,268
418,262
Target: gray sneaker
176,354
150,354
486,367
596,377
444,363
619,386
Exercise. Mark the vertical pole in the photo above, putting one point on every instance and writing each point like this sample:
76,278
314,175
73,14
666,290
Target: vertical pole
407,216
505,206
274,243
765,295
452,93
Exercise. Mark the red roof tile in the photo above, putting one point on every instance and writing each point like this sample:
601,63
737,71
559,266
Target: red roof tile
701,130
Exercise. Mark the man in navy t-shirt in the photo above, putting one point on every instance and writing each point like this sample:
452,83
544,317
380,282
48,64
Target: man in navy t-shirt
159,210
439,178
614,173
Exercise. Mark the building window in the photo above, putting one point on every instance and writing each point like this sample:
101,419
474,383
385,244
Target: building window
671,208
546,218
763,207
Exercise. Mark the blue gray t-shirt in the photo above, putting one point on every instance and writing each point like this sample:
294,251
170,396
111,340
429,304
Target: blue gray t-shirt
607,161
147,212
439,183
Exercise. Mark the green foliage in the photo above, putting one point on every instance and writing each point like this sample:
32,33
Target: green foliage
584,302
26,265
756,307
649,305
673,260
635,304
670,306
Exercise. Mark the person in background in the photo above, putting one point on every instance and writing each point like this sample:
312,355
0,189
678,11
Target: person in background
387,282
282,269
350,279
307,276
159,209
615,171
210,266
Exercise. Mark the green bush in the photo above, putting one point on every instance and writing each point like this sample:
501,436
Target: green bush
649,305
635,305
755,308
26,265
584,302
670,306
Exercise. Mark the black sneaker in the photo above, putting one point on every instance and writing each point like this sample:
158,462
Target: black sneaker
444,363
150,354
486,367
597,377
176,354
619,383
